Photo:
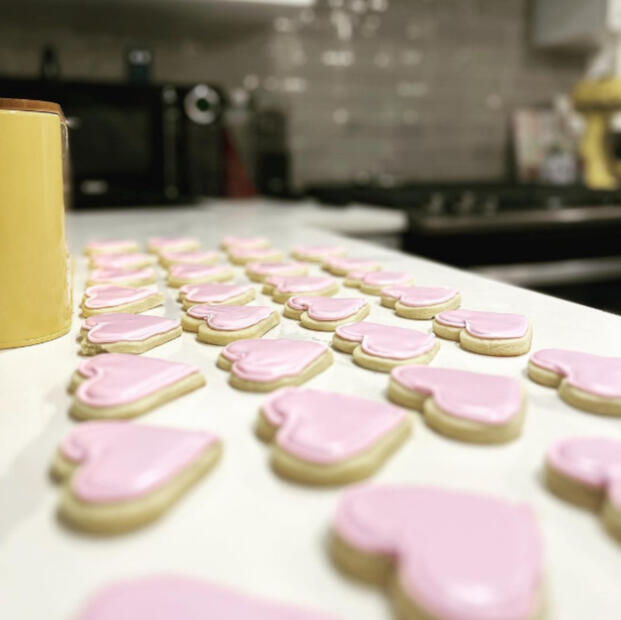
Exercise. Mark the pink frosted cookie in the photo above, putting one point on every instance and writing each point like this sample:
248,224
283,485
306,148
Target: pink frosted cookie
382,347
317,253
329,438
224,323
242,255
587,472
134,260
104,298
185,598
233,294
119,332
283,287
325,313
196,257
119,476
341,266
266,365
111,246
178,275
449,555
157,245
258,271
487,333
589,382
119,385
464,405
420,302
248,243
372,282
122,277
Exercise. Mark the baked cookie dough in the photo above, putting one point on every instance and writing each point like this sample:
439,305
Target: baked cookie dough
234,294
325,313
420,302
372,282
587,471
329,438
179,275
224,323
111,246
588,382
445,554
467,406
119,332
158,245
242,256
249,243
119,476
122,277
382,347
120,385
488,333
133,260
266,365
317,253
283,287
105,298
341,266
196,257
259,272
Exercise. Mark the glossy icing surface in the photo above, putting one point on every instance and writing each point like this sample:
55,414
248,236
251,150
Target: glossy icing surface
274,269
161,243
254,253
189,272
319,251
327,308
460,556
120,275
118,378
121,261
117,326
386,278
269,360
230,318
122,461
386,340
110,295
416,296
486,324
487,399
190,257
351,264
185,598
326,427
592,373
300,284
245,242
216,292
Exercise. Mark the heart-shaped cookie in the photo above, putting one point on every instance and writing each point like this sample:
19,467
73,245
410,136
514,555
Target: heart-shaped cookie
224,324
111,246
122,277
132,260
589,382
196,257
258,271
126,333
420,302
121,475
116,385
244,242
264,365
283,287
172,244
181,274
465,405
456,556
316,253
488,333
373,282
112,298
216,293
587,471
329,438
185,598
341,266
382,347
325,313
240,255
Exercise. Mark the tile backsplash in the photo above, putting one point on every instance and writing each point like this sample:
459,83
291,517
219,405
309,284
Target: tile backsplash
374,89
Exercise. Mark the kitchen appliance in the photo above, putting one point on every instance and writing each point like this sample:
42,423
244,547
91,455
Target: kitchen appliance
137,144
35,278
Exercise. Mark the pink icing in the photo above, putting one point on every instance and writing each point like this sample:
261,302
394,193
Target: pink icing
486,324
212,293
119,378
121,275
270,360
386,278
190,257
326,427
189,272
122,461
489,399
417,296
245,242
327,308
351,264
185,598
274,269
591,373
254,253
230,318
319,251
112,245
460,556
110,295
117,326
122,261
387,341
160,243
300,284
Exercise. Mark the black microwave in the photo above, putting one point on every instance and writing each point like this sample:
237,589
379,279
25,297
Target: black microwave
133,144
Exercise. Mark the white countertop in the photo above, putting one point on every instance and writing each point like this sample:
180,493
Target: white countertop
242,525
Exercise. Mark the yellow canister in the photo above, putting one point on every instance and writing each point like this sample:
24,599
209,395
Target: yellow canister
35,280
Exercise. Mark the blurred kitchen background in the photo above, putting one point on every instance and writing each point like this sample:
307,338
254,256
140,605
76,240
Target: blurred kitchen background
491,126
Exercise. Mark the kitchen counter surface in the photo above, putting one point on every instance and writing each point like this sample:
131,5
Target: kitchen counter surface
243,526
